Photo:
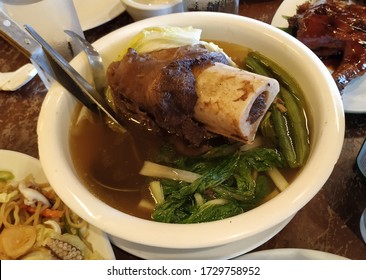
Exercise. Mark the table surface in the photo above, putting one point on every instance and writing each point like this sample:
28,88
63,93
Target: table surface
329,222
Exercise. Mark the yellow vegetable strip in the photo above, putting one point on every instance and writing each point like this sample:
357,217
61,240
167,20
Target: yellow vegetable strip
280,181
161,171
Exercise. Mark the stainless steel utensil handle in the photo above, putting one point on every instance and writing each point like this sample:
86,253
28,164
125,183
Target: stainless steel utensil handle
70,79
16,36
52,63
21,40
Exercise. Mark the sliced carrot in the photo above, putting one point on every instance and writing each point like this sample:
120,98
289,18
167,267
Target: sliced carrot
51,213
47,213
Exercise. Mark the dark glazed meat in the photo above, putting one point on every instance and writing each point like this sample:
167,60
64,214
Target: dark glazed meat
334,29
158,88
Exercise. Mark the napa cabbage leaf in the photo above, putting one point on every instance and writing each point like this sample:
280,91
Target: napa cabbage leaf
165,37
232,182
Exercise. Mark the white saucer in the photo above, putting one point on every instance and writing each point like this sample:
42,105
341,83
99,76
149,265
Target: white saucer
93,13
290,254
363,225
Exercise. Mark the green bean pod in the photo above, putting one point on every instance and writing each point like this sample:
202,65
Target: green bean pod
255,66
267,128
278,73
292,96
285,142
298,126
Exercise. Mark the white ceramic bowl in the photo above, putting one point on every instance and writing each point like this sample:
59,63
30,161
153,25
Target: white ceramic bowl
138,10
221,239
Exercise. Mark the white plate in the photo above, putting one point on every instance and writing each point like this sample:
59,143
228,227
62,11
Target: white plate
93,13
290,254
354,95
363,225
22,165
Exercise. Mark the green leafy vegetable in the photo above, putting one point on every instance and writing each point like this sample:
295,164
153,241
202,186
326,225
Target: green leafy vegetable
232,181
213,210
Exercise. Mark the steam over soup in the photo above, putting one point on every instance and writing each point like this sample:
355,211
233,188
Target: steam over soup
216,178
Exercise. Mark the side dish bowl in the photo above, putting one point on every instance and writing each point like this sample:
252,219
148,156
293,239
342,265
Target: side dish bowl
139,10
220,239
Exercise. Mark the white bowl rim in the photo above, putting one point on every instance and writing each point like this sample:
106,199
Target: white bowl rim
156,234
150,7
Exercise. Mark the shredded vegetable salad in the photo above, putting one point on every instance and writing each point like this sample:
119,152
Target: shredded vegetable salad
36,224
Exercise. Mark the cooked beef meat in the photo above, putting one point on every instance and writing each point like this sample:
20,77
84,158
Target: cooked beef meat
334,28
158,88
361,2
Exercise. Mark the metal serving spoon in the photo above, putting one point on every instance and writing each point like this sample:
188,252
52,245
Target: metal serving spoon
95,61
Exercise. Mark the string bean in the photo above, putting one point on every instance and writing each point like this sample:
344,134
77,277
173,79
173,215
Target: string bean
290,126
278,73
298,126
285,141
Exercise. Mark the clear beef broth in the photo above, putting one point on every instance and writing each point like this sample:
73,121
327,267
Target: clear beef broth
108,162
236,52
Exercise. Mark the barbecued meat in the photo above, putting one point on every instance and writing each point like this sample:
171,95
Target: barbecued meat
158,88
334,28
361,2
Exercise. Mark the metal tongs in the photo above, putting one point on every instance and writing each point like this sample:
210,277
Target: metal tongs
49,62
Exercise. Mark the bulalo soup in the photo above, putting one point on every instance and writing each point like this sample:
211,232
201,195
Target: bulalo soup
109,162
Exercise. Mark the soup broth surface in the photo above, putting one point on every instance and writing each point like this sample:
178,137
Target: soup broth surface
109,162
